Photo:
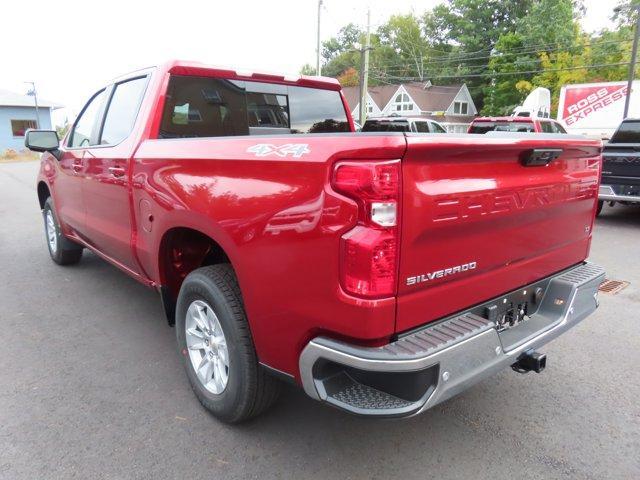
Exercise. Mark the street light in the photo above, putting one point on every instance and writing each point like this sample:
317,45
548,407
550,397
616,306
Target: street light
35,98
632,64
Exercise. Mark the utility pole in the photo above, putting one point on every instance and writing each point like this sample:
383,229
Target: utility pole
632,64
364,71
318,40
35,98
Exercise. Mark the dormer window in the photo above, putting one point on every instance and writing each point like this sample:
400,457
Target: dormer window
460,108
403,103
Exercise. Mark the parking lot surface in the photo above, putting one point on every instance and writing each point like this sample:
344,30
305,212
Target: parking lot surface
91,386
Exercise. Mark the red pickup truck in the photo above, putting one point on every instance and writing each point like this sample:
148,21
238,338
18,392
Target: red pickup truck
382,272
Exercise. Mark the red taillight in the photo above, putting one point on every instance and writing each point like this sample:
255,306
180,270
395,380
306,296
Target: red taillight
369,252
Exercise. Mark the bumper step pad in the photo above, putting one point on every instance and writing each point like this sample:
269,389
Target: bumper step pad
424,367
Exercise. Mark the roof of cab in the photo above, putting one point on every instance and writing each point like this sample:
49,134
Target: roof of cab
181,67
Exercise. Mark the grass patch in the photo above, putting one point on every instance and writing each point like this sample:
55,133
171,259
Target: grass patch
22,156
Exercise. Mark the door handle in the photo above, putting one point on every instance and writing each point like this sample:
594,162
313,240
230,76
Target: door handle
116,171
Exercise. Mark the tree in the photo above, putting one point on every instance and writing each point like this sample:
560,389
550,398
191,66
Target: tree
349,78
507,89
307,69
549,25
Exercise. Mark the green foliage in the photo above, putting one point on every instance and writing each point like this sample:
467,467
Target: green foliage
500,48
63,129
308,69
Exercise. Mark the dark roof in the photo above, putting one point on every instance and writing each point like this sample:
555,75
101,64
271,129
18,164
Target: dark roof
351,96
432,98
380,95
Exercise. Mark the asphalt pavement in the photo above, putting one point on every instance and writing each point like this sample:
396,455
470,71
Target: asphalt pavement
91,386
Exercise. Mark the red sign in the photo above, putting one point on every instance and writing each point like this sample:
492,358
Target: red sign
581,102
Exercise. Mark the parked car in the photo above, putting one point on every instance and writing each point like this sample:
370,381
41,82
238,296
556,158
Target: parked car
403,124
515,124
382,272
621,165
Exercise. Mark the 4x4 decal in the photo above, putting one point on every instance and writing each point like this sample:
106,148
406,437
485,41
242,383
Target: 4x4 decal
295,150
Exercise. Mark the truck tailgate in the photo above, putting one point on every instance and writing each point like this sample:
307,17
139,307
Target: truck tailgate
477,223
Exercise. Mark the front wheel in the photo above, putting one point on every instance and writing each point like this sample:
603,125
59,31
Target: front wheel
62,250
599,209
217,349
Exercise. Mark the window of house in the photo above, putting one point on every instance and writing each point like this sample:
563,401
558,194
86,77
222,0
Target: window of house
19,127
122,111
369,108
211,107
460,108
85,130
403,103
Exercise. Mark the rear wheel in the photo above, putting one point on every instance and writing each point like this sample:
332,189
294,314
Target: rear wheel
217,349
62,250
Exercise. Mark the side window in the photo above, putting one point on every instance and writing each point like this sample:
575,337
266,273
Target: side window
558,128
122,111
436,128
422,127
546,127
203,107
85,129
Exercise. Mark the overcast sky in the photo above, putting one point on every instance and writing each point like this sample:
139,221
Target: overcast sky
70,48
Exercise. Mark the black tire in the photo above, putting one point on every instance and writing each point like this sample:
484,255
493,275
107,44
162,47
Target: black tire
599,209
250,390
66,251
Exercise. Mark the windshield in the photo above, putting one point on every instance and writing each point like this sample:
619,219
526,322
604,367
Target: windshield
628,132
484,127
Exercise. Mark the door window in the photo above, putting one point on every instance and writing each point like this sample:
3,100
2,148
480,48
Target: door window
85,130
422,127
436,128
122,111
546,127
557,128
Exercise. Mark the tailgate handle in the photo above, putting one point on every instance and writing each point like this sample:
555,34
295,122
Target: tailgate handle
539,156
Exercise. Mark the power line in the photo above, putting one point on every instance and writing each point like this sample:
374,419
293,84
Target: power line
536,49
499,74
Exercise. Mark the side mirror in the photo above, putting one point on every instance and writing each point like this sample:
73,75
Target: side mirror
41,140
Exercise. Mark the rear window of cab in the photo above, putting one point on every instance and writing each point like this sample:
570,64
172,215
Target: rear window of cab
212,107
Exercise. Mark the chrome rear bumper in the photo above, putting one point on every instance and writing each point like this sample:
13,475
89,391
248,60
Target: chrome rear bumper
430,365
608,194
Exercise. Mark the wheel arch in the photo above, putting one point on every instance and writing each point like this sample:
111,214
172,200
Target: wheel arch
181,250
43,193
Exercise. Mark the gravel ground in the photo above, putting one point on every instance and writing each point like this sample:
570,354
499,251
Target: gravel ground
91,386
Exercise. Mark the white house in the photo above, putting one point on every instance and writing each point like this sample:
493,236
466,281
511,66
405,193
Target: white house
451,105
